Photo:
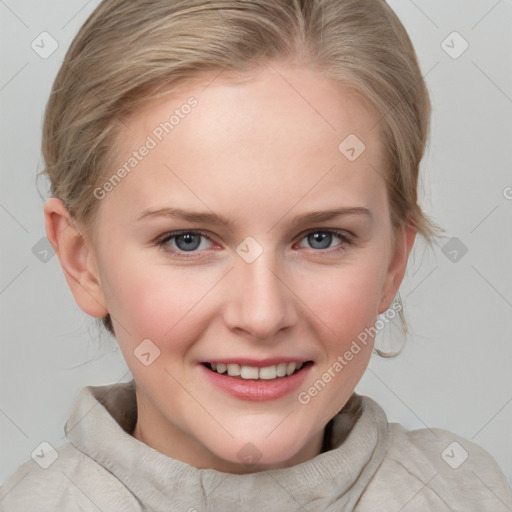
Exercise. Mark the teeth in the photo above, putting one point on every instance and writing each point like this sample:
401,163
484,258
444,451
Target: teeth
233,370
290,368
281,369
269,372
251,372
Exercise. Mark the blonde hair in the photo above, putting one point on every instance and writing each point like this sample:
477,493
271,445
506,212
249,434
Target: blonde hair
127,53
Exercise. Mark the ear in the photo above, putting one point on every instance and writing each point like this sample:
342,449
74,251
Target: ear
76,258
395,273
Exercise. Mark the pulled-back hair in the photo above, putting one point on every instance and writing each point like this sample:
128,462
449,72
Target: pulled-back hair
129,52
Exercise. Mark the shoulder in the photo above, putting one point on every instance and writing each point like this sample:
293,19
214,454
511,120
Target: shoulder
433,469
72,481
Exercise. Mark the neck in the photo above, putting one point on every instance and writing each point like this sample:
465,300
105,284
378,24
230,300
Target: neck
161,435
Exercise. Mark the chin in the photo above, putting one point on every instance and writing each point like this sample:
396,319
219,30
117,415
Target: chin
275,451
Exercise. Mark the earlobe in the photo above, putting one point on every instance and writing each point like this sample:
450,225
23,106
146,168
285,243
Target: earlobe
397,266
76,258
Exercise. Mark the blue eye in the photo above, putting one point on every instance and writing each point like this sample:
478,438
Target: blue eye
323,239
189,244
185,241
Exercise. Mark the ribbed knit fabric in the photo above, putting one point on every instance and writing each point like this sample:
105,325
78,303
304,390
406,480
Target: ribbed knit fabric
373,466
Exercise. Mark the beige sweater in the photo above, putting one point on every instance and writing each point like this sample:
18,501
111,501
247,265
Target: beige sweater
373,466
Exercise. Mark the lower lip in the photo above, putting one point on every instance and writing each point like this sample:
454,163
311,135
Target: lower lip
257,390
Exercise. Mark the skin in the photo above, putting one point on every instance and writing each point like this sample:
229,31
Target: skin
260,152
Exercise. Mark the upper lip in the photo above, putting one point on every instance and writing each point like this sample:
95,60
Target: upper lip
257,363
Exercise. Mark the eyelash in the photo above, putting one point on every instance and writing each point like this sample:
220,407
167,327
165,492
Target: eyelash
178,254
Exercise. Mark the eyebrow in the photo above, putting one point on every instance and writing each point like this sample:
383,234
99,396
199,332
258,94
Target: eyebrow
215,219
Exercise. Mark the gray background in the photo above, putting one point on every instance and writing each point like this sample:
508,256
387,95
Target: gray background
455,371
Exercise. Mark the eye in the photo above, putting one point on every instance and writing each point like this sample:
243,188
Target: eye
184,242
322,239
189,244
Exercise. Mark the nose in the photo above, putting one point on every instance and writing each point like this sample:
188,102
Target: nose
261,302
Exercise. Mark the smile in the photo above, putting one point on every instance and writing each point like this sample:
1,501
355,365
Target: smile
256,380
253,372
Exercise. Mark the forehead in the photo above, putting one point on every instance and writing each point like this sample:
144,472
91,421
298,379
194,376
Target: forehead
277,133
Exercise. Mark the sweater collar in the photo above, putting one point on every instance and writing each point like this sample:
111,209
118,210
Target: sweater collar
104,416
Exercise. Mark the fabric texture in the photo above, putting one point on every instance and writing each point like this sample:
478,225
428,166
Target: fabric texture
372,466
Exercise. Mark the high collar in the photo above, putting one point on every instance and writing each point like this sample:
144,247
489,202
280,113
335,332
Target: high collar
103,418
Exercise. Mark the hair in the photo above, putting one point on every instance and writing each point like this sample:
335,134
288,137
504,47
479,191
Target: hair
128,53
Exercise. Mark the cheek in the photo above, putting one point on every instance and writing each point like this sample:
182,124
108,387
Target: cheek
158,302
345,300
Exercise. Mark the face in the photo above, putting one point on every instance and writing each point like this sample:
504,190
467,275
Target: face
244,240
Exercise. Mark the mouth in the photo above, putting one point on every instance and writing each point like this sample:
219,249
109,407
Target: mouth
258,373
257,380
